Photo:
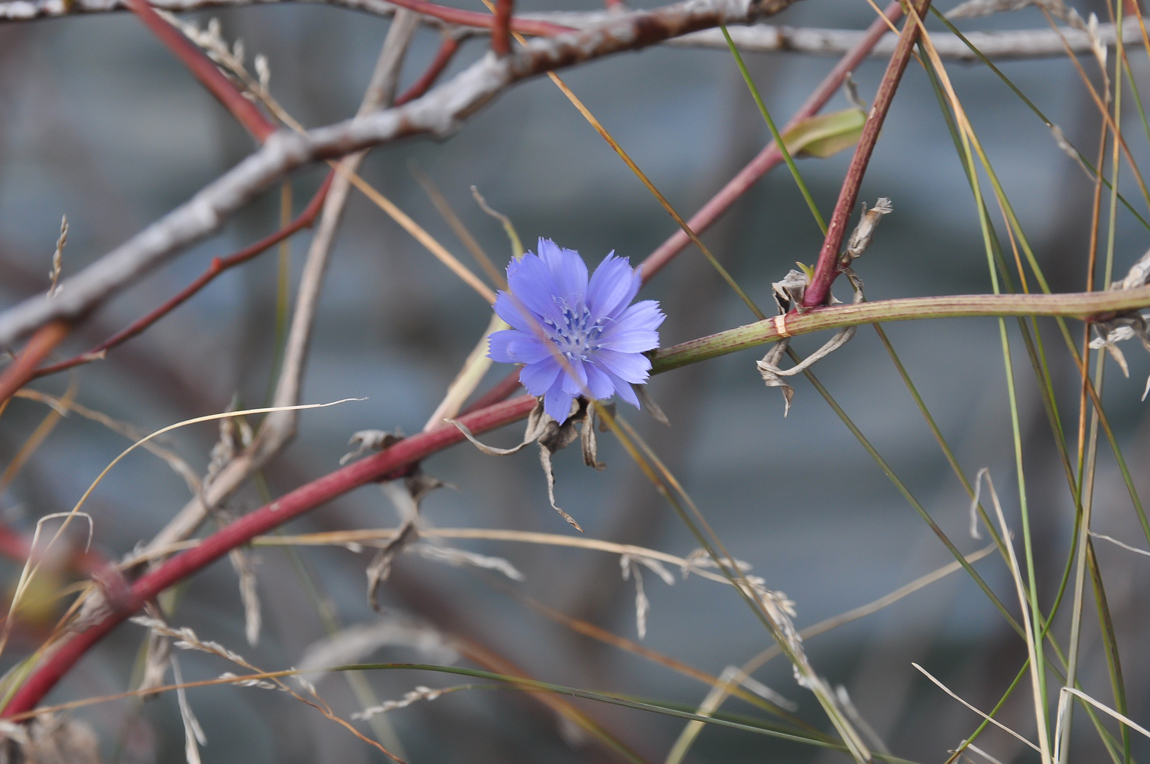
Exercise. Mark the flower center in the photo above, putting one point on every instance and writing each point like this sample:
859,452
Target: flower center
576,335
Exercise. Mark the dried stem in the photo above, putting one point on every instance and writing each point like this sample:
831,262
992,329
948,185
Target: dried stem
828,268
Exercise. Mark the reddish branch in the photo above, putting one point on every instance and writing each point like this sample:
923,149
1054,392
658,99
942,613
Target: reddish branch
205,71
24,367
828,266
218,266
447,50
501,28
769,157
383,465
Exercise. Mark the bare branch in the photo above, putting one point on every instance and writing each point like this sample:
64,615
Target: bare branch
440,113
758,38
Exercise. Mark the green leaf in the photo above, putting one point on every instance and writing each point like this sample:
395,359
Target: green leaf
825,134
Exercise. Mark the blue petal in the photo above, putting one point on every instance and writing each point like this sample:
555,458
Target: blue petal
575,385
598,382
641,315
514,346
513,311
498,345
623,389
532,283
631,341
568,271
631,367
539,377
613,285
557,403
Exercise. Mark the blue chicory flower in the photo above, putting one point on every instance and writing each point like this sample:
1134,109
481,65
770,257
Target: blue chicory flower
556,312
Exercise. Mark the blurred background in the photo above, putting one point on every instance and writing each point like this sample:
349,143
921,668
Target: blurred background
100,123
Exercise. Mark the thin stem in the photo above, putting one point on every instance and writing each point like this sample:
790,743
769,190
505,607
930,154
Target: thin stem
23,369
778,139
827,267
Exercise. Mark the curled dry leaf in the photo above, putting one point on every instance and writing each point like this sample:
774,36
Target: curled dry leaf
642,604
1125,326
770,370
370,440
551,437
405,495
243,562
788,294
460,557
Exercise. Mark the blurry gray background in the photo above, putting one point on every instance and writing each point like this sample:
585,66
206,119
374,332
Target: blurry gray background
99,122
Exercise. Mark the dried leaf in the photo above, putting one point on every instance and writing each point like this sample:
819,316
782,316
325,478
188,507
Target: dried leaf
551,437
58,259
587,439
460,557
642,604
156,659
648,404
370,440
380,567
1125,326
243,564
193,733
863,233
769,368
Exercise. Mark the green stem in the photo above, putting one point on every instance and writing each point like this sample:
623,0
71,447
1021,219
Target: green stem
1073,305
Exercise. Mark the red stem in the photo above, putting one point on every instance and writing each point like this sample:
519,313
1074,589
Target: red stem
20,371
828,267
288,507
443,57
501,28
502,391
769,157
218,266
205,71
482,20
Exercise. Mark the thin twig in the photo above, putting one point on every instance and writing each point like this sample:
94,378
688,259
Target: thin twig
23,369
828,266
